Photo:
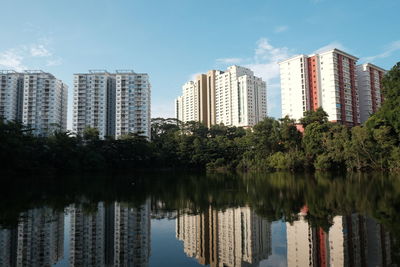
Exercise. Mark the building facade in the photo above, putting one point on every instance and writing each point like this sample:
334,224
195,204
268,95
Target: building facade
370,89
116,104
234,97
44,102
132,103
187,105
92,102
10,94
36,98
326,80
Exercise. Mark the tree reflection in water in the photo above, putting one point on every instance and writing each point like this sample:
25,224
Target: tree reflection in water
330,218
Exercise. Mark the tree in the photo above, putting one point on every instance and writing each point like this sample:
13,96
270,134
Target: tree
360,149
311,116
389,113
313,139
334,143
91,134
265,137
290,137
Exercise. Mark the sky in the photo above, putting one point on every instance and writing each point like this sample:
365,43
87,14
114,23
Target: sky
172,40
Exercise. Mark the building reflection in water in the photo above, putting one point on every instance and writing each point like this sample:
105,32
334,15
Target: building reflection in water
352,240
115,235
111,235
235,237
37,240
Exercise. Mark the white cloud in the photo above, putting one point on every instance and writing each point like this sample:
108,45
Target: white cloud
12,59
232,60
391,48
264,63
331,46
39,50
37,53
281,28
266,58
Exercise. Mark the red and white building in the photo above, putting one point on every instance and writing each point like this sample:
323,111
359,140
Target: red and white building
369,79
326,80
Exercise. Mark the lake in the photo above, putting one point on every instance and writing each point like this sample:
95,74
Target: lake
185,219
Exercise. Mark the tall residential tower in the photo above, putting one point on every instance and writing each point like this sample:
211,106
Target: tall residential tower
35,98
326,80
370,89
114,103
234,97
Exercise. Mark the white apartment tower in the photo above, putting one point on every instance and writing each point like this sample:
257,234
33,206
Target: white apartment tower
370,89
114,103
44,102
234,97
35,98
187,105
326,80
10,94
92,102
132,103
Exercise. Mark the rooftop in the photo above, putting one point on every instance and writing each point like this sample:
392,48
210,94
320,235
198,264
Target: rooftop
373,66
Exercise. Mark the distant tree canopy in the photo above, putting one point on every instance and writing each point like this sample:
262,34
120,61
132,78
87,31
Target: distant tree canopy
271,144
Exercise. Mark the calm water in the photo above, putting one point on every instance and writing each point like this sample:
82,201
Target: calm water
277,219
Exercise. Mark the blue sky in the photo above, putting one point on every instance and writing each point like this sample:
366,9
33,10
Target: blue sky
173,40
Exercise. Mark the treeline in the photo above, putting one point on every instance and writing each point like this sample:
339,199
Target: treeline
277,144
271,144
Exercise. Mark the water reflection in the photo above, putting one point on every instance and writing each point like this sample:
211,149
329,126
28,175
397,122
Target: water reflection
234,237
352,240
37,240
114,235
205,220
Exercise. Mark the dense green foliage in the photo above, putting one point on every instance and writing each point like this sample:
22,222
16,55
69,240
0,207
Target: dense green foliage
271,144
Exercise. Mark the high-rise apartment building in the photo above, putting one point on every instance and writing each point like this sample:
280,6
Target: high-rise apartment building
187,105
326,80
92,102
44,102
10,94
132,103
234,97
370,89
114,103
35,98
